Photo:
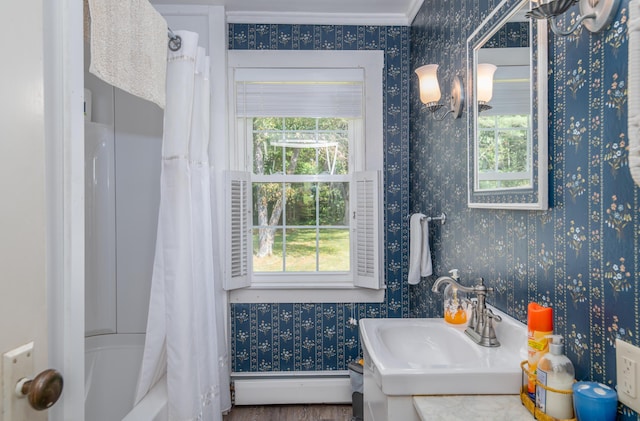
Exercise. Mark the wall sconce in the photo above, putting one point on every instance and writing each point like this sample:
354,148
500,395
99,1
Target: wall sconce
485,72
430,91
595,15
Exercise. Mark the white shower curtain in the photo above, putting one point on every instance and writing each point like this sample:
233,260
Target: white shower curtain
185,335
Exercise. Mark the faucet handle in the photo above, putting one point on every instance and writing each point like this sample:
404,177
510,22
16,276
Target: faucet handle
454,274
492,315
473,321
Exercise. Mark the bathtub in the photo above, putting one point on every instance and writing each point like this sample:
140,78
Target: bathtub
112,363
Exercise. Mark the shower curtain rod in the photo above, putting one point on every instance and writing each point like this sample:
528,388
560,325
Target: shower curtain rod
175,42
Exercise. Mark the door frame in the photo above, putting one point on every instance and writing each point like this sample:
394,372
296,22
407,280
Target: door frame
64,137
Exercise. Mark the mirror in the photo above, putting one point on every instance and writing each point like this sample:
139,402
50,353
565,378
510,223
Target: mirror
507,142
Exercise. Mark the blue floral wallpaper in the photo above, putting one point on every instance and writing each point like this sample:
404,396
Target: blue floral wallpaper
511,35
580,257
310,337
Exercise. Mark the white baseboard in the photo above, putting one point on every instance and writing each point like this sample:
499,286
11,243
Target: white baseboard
291,388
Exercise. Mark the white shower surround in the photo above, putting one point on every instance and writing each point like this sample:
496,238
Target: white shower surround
111,371
138,135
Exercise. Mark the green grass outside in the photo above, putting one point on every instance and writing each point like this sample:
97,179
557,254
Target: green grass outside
333,251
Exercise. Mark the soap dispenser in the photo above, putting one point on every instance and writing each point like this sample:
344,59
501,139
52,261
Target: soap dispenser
455,302
555,371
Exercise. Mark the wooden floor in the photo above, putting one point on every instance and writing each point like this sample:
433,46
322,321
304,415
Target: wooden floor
290,413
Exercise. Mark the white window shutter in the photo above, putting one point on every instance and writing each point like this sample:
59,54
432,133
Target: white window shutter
238,207
367,220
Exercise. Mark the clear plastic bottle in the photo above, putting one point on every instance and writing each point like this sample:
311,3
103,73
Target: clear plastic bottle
456,308
556,371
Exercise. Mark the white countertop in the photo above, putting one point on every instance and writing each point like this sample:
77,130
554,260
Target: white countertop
471,407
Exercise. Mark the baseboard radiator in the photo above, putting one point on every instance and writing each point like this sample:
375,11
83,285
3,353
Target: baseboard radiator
291,387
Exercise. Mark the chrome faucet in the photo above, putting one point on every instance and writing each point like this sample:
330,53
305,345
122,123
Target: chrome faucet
480,328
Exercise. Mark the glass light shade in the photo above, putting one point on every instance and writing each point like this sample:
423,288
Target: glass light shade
485,73
429,87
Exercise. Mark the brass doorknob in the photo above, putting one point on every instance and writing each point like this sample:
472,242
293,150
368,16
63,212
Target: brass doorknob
43,391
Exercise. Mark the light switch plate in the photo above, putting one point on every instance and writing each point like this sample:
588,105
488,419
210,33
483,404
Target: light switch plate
16,365
627,361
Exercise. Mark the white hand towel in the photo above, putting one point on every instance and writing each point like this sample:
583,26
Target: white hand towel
426,267
129,47
419,252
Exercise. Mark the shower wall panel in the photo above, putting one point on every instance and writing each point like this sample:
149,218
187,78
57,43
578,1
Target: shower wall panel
100,221
138,152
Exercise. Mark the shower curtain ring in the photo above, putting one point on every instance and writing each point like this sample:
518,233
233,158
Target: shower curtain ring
175,43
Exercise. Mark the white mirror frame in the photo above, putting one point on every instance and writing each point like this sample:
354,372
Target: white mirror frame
633,90
535,198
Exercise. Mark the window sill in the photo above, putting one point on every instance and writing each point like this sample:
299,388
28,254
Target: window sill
281,294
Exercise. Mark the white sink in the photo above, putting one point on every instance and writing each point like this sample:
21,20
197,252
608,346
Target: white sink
431,357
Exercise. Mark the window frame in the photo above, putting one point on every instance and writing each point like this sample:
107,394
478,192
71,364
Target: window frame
365,155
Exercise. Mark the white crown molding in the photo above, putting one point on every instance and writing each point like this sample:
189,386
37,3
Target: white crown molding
301,18
198,7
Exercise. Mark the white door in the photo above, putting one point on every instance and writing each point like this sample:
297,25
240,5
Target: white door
23,308
41,248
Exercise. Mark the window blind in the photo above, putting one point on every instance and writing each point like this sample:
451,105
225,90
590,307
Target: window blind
337,93
511,91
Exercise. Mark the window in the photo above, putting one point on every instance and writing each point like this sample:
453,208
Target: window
504,151
301,194
304,208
